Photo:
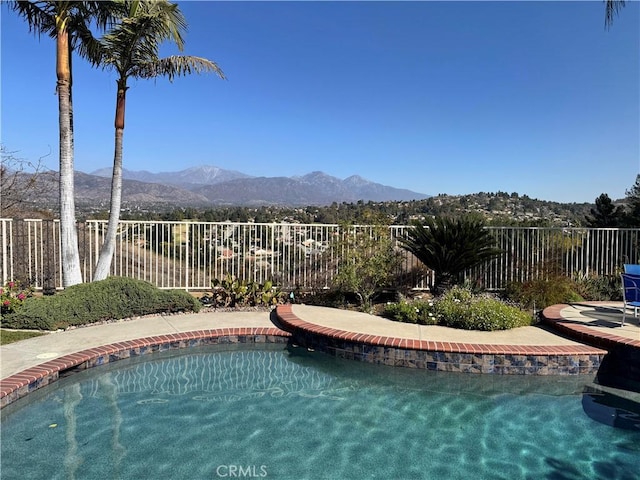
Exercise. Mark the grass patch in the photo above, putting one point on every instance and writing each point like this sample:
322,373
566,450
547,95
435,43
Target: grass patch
10,336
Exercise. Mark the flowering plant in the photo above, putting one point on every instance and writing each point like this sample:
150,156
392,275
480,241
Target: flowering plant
12,296
418,311
458,307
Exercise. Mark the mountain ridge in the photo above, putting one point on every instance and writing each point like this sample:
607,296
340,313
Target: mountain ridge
230,187
201,174
143,199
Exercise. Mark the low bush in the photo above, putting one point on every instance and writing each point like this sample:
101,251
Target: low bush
542,293
420,312
12,296
232,293
325,298
599,287
458,307
113,298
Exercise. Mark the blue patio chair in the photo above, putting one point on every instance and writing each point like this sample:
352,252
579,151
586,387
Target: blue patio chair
630,294
632,268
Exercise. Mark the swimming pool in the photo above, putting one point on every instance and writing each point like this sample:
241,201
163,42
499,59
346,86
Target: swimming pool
269,411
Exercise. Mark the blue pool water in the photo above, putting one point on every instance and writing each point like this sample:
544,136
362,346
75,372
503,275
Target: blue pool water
276,412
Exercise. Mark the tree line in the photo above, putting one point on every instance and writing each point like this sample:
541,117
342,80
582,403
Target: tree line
497,209
608,213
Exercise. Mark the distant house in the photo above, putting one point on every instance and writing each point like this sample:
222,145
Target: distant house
312,247
261,252
226,253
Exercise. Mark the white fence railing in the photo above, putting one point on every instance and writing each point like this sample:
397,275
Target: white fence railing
189,255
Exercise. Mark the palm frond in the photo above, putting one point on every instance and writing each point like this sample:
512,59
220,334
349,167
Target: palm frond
132,46
150,22
87,45
174,23
100,13
176,66
612,7
40,16
450,246
76,16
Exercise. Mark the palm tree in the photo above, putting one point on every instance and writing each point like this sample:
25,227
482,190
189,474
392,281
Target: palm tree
131,49
449,247
611,10
62,20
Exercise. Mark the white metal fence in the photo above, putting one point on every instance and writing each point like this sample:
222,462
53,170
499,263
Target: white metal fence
189,255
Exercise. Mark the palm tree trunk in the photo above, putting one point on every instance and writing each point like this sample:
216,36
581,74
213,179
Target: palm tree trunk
71,273
108,247
443,282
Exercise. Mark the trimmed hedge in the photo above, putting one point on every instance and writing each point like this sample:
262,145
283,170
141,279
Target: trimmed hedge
110,299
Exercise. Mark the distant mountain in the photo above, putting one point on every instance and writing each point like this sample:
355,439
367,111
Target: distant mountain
314,189
96,191
202,175
280,191
228,187
356,188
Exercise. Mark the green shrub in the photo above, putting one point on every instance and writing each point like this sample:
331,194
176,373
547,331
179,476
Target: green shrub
232,292
366,263
113,298
325,298
599,287
458,307
12,296
540,293
411,312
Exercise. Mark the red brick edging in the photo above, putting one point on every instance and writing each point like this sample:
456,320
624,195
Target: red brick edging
444,356
294,323
553,316
22,383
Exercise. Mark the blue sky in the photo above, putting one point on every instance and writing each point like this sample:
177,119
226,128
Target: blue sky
436,97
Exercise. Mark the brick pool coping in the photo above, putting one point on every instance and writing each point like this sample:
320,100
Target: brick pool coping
413,353
582,333
444,356
20,384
